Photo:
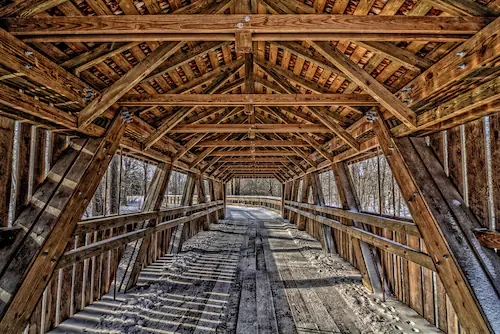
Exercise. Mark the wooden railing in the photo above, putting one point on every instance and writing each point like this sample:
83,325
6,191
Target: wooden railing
88,268
268,202
188,213
378,241
175,200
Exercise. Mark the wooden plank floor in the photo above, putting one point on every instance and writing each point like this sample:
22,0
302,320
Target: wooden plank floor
252,273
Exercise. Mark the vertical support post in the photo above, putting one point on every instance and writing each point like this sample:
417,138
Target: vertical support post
301,221
446,226
187,200
53,212
224,199
293,197
202,198
213,197
152,202
364,253
328,240
283,191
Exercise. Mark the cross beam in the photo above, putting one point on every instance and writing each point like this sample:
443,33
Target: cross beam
244,128
253,23
138,100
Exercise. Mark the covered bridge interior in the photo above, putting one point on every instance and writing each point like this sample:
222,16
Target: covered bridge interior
129,128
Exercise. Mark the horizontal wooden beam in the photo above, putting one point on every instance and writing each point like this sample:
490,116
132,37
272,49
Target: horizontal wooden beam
256,153
258,37
392,224
255,143
252,176
244,128
79,254
385,244
257,23
104,223
254,160
237,172
247,99
251,170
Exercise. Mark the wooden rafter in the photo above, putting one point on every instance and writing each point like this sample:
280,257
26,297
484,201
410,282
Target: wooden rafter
368,83
126,83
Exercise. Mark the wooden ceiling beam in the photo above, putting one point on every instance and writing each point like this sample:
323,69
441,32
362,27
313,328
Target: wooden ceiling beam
134,100
256,23
254,143
368,83
99,59
305,157
119,88
291,76
253,160
229,87
256,37
257,153
244,168
197,138
465,59
205,6
269,85
244,128
189,145
205,153
406,58
210,164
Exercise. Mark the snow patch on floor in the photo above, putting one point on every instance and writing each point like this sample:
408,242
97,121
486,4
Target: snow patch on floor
372,314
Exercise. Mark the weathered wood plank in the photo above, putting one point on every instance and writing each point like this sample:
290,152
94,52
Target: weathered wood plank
295,23
229,100
437,223
6,151
34,260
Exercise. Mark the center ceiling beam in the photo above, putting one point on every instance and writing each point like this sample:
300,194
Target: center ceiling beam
254,23
262,153
254,160
227,100
244,128
254,143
